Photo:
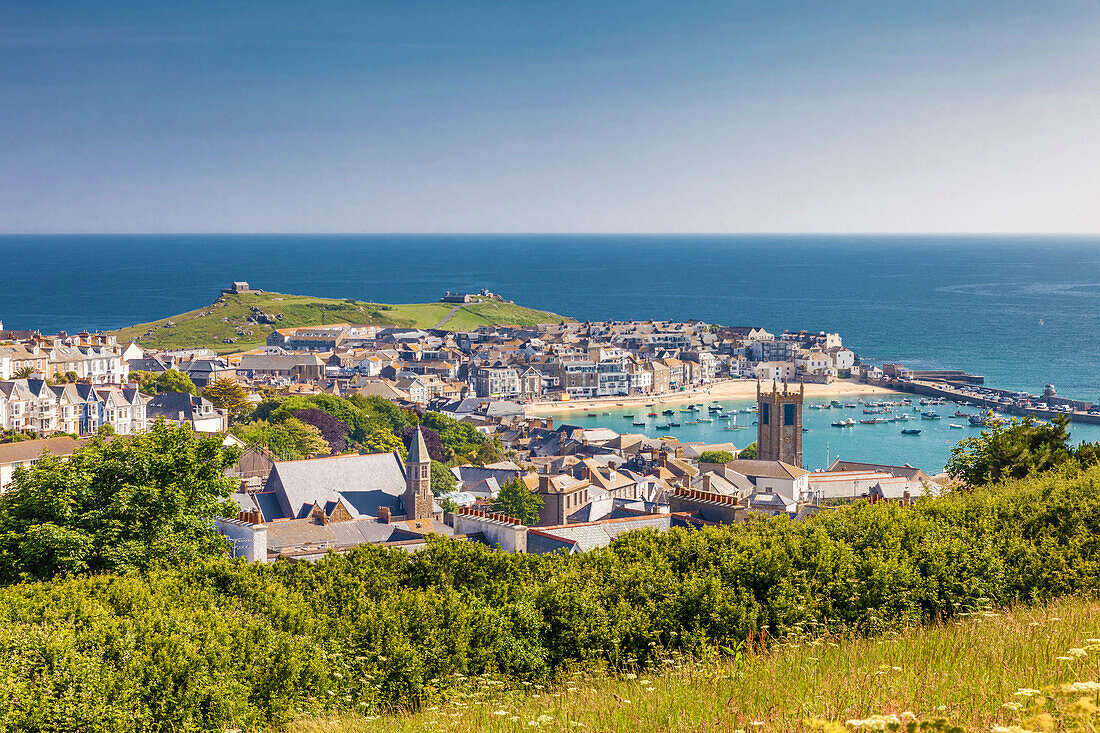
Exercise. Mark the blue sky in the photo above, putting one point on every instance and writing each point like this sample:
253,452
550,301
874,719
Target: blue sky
324,116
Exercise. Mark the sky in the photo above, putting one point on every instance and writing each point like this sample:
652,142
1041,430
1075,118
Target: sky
547,116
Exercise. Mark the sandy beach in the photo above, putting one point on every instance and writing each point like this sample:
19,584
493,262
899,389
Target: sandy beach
723,390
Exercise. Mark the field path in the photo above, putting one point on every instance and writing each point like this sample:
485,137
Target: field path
448,317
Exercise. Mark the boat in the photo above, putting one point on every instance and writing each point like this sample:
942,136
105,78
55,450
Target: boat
651,414
805,430
843,423
668,412
955,425
628,417
674,424
930,415
849,404
960,413
867,422
714,408
691,422
910,431
640,424
735,427
663,427
607,413
705,419
592,414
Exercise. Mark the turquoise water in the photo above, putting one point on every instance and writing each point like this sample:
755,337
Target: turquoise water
1022,310
880,443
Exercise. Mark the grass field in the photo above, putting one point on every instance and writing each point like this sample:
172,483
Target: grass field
225,326
968,672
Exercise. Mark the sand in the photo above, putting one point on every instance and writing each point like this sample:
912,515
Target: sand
723,390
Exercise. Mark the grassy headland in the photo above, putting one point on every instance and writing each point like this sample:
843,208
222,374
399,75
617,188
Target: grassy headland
966,671
243,321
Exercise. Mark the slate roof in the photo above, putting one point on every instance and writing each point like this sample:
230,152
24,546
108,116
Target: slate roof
365,482
590,535
473,475
173,405
767,469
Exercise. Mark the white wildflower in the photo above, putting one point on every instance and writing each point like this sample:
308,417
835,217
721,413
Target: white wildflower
1026,692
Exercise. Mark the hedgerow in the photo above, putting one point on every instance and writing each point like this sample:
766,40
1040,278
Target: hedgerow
224,644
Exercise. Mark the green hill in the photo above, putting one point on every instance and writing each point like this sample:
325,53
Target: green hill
239,322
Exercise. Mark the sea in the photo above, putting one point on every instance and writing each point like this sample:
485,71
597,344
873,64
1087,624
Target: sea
1023,311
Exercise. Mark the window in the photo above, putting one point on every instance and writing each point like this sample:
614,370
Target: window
765,413
788,414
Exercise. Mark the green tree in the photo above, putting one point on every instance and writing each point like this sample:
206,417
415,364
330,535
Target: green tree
1011,450
71,376
382,440
290,439
23,372
117,506
173,380
146,381
228,394
443,481
748,452
517,501
715,456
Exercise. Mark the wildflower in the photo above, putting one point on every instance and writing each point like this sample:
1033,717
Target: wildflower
756,724
1026,692
1092,641
1013,706
500,712
1082,687
896,669
630,676
1076,652
907,716
1064,659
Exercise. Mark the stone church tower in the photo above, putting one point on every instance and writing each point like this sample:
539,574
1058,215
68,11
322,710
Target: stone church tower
779,424
418,496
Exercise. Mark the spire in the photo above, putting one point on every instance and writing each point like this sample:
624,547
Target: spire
418,449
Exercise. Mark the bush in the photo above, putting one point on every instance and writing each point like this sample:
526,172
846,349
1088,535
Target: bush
223,644
715,456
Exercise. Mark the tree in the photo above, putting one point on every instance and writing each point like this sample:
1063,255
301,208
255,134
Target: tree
289,440
436,448
748,452
228,394
117,506
517,501
1011,450
381,440
23,372
332,430
443,481
449,506
715,456
146,381
173,380
71,376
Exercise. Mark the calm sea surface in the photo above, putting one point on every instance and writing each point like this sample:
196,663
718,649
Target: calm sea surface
1023,311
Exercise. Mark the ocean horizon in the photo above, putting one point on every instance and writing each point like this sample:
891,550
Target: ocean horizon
1022,310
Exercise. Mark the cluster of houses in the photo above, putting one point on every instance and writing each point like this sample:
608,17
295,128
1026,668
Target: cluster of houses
593,483
545,362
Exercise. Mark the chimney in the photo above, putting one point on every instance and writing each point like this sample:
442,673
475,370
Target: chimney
544,481
706,482
662,458
384,515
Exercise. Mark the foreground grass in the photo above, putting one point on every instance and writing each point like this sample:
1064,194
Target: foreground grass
965,672
228,319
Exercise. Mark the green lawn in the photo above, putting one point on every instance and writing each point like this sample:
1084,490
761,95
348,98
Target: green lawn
966,672
224,326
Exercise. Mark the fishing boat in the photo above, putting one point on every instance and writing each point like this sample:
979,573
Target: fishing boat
805,430
639,424
705,419
910,431
663,427
843,423
651,414
849,404
714,408
867,422
930,415
592,414
628,417
955,425
674,424
691,422
668,412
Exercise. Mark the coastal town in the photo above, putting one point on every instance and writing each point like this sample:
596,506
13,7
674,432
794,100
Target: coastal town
507,383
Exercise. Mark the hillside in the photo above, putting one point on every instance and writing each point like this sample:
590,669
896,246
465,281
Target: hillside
243,321
967,672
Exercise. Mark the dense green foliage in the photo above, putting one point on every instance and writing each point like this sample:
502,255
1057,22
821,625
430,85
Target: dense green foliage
224,644
748,453
172,380
120,506
288,440
715,456
371,425
443,481
516,500
1016,449
228,394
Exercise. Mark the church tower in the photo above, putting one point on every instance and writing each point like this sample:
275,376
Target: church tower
779,424
418,496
